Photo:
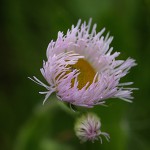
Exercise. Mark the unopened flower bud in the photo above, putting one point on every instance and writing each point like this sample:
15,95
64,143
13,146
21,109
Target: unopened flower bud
87,128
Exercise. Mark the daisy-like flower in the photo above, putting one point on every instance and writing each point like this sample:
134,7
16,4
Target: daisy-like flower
82,69
87,128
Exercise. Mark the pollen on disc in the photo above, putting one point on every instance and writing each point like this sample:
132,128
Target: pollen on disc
87,72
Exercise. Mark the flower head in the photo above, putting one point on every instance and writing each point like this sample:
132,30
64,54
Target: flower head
87,128
82,69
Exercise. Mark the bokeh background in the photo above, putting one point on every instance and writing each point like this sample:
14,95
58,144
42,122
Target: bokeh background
26,28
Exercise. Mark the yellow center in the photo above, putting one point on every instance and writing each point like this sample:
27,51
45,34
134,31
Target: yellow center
87,72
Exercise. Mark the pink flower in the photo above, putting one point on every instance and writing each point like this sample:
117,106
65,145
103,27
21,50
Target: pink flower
82,69
87,128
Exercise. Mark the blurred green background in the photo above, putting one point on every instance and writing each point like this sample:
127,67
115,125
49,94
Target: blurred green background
26,29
